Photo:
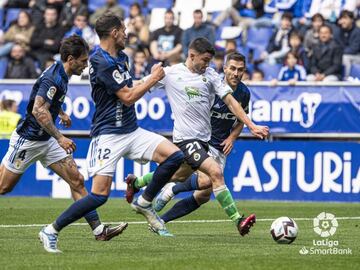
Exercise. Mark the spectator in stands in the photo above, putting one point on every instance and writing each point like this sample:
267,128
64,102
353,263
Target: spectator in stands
312,35
69,12
257,75
19,65
38,8
278,45
82,29
325,63
218,62
166,41
9,118
138,26
19,33
134,10
199,29
292,71
296,47
110,6
242,13
140,67
330,9
46,42
230,46
349,39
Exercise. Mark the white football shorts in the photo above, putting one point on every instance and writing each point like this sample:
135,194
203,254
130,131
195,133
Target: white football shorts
106,150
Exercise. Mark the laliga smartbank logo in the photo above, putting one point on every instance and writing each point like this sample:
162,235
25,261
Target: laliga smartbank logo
325,226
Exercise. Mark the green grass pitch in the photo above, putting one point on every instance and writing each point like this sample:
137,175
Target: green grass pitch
203,245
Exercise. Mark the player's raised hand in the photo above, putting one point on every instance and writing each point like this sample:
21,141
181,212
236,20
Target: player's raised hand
261,132
67,144
157,71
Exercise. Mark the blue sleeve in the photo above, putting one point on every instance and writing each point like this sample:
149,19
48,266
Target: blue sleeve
112,78
47,89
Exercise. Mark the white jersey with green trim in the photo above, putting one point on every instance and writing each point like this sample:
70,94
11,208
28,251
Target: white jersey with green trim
191,96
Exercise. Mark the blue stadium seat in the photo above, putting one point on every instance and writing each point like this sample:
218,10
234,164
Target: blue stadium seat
270,71
3,67
95,4
355,71
1,18
258,38
11,15
159,4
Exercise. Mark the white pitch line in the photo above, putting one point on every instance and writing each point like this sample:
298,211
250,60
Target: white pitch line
177,221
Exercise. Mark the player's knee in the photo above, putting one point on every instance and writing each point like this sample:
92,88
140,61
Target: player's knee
202,198
78,183
177,158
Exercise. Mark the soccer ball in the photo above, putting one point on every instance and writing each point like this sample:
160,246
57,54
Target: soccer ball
284,230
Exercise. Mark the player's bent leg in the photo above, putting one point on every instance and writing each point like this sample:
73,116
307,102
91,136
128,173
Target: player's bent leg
187,205
224,197
67,169
8,180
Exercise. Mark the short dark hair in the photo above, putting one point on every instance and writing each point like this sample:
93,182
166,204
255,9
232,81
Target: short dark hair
106,23
257,70
328,27
236,56
295,34
317,16
199,11
169,11
202,45
73,45
346,13
6,104
287,16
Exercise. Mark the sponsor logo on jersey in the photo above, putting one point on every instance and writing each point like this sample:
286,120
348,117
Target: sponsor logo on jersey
117,76
192,92
51,92
226,116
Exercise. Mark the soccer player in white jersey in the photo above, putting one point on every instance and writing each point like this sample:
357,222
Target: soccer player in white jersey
191,88
115,132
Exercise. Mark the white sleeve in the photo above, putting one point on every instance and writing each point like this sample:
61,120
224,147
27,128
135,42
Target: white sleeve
220,87
161,83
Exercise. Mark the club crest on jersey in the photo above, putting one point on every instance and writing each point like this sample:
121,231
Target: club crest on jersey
51,92
204,79
192,92
117,76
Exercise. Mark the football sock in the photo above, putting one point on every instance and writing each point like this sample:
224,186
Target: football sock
93,219
223,196
144,180
163,174
181,208
78,209
190,184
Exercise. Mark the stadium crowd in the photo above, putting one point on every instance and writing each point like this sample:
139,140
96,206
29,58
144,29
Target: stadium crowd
283,40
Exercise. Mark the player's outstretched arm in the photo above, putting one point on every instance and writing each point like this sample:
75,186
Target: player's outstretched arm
43,117
129,96
258,131
228,143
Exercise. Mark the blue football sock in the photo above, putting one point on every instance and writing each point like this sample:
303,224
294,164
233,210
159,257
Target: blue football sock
93,219
181,208
163,174
79,209
190,184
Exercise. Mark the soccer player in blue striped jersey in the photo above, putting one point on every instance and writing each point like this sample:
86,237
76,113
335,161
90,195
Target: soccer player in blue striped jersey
115,132
37,138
